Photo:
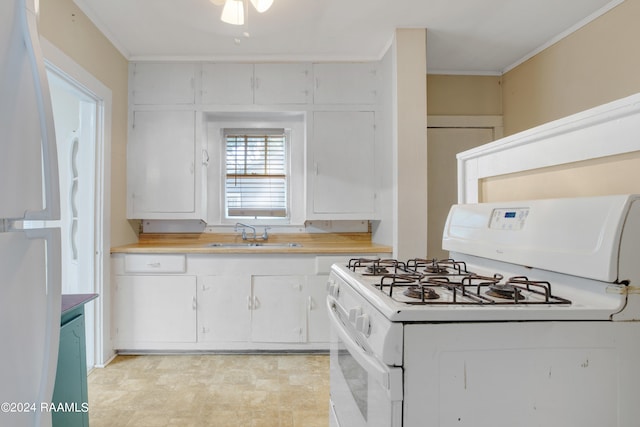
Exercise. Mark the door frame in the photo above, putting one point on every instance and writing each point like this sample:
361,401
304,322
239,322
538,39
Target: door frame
67,68
495,122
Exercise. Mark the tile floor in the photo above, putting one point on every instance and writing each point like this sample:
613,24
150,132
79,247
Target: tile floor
266,390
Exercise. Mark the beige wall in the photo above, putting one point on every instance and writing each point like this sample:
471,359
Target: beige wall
64,25
460,95
597,64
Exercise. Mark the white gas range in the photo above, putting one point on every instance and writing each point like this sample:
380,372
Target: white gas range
533,321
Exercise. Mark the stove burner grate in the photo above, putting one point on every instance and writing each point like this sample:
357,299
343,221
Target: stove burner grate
376,266
470,289
437,267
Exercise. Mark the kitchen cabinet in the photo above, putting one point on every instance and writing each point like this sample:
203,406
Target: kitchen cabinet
151,309
221,302
282,83
227,84
342,178
345,83
259,309
247,84
278,309
168,83
164,166
316,305
224,308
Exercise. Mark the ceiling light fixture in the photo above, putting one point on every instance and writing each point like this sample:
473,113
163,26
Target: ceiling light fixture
234,10
262,5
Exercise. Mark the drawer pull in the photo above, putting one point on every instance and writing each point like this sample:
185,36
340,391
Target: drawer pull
154,265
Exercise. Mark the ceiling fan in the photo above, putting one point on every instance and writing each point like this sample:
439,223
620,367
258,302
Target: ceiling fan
233,10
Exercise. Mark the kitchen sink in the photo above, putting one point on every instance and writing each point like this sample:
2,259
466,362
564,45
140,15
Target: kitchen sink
255,245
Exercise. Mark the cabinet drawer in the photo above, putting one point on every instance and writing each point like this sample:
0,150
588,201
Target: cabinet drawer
152,263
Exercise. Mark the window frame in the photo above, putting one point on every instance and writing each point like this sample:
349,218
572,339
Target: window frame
257,131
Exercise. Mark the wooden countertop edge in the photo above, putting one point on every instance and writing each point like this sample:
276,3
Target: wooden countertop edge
330,243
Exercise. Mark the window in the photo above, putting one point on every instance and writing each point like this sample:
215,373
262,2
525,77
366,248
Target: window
256,173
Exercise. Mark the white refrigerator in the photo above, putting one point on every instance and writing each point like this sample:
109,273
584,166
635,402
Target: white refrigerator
29,213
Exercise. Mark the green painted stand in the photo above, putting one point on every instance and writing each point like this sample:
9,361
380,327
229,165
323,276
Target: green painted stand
70,398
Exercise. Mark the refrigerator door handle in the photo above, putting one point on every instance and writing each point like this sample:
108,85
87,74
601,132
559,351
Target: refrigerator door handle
47,130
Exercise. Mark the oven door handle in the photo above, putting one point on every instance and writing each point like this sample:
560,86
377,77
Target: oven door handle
389,378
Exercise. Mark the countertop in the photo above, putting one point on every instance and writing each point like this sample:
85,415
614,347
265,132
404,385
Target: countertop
71,301
310,243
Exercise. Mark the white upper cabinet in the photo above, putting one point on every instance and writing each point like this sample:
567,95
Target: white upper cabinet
227,84
164,167
345,83
342,166
162,83
282,83
247,84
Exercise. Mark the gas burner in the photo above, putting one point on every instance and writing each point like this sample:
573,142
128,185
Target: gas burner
505,291
376,270
439,267
375,266
421,292
435,269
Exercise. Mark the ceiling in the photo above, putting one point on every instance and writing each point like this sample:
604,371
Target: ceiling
463,36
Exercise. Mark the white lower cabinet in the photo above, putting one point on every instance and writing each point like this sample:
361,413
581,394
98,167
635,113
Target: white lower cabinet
278,311
224,305
179,302
154,309
316,302
258,309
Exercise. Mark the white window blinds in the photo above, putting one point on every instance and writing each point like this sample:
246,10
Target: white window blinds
256,173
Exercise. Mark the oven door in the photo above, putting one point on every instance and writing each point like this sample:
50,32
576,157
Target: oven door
364,391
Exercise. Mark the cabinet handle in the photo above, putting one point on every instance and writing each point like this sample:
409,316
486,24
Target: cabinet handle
249,305
309,304
256,303
315,165
205,157
153,265
257,85
317,84
194,304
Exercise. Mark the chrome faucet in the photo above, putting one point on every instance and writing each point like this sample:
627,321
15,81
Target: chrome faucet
265,236
244,231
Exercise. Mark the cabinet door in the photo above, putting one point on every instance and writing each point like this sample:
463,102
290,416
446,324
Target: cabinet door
154,309
317,308
282,83
278,311
224,304
167,83
161,165
345,83
227,84
343,164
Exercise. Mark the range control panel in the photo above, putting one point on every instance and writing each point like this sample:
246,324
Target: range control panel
508,218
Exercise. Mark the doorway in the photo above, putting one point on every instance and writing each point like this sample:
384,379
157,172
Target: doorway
74,116
82,120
